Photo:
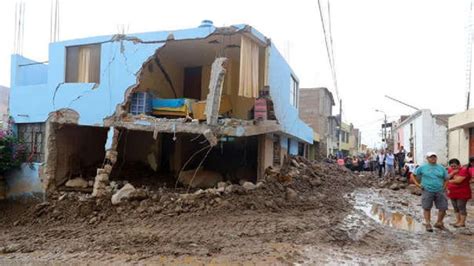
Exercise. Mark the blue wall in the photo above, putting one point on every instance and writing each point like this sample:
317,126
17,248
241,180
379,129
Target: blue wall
121,59
279,76
293,145
26,72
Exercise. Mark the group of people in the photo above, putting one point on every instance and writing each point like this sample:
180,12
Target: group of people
385,163
388,162
438,184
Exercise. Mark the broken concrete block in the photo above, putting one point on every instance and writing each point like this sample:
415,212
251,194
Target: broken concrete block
101,171
108,168
138,194
221,185
234,189
249,186
77,182
198,192
295,163
211,137
200,179
99,190
112,156
123,194
102,178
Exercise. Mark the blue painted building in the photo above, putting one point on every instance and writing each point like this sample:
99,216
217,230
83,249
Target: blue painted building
75,110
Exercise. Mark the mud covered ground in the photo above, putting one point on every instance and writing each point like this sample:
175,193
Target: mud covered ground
309,213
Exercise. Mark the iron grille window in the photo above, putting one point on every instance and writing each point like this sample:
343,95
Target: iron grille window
32,136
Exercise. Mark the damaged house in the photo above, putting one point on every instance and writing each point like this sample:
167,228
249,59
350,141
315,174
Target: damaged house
199,105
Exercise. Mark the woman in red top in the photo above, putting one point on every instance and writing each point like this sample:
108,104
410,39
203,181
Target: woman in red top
459,189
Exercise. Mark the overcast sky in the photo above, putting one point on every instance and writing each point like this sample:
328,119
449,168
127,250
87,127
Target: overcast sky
413,50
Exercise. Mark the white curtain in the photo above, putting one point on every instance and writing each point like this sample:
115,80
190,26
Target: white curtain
249,54
89,64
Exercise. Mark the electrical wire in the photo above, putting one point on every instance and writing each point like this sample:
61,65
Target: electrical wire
329,49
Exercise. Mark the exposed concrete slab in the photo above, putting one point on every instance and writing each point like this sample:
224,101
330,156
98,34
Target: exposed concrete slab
225,127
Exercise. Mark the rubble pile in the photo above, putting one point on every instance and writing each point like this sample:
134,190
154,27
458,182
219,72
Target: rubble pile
304,203
299,182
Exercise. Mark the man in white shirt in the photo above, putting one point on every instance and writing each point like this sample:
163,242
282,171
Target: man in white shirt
381,162
390,164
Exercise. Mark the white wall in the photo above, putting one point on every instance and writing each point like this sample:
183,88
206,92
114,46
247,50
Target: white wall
428,136
459,145
435,137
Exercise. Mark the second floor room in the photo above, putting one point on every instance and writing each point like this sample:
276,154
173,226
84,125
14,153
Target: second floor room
161,74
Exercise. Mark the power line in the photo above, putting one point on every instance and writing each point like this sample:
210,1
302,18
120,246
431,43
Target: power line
332,50
328,49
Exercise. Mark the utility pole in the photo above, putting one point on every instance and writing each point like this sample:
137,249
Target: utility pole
340,126
385,128
469,56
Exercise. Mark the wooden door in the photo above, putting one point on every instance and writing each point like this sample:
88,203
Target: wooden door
192,82
471,142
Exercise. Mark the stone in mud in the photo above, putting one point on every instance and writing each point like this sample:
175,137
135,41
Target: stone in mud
221,185
315,182
249,186
93,220
200,179
128,192
77,182
295,163
414,190
394,186
291,194
402,185
12,248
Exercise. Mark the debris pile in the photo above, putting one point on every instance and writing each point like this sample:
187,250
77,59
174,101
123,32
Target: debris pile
397,184
299,182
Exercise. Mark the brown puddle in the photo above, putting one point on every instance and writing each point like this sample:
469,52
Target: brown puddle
392,219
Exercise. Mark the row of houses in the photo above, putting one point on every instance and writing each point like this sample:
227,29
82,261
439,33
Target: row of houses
104,105
449,135
332,136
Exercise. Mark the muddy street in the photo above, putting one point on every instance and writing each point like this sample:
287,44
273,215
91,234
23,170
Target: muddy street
307,217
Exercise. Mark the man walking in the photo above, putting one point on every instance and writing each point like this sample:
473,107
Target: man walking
401,159
389,164
433,178
381,163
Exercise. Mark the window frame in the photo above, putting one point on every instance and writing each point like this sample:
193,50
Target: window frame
70,77
294,91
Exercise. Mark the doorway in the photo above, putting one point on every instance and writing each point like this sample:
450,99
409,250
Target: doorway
192,82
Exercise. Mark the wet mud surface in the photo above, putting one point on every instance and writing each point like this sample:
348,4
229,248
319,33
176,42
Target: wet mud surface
324,215
396,216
